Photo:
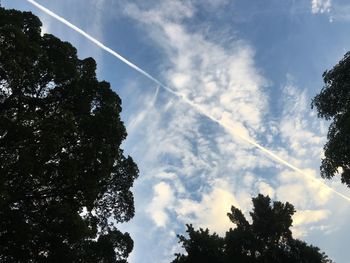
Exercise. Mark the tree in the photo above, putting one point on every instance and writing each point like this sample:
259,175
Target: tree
333,103
268,239
201,247
64,180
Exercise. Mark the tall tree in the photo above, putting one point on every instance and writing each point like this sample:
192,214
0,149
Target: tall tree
64,180
333,103
268,239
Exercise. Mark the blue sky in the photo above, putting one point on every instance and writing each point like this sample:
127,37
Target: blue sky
255,66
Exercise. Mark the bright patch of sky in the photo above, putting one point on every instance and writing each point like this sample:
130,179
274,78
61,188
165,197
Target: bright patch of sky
253,64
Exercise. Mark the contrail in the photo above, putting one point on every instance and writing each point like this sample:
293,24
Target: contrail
228,127
94,40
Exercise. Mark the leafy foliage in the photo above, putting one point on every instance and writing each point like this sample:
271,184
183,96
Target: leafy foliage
333,103
268,239
64,181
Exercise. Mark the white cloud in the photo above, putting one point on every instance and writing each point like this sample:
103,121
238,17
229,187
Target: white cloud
302,191
266,189
46,27
320,6
210,212
301,135
222,80
336,10
210,170
226,83
303,218
162,200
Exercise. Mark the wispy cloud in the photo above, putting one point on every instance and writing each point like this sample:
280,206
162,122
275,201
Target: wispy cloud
207,168
246,115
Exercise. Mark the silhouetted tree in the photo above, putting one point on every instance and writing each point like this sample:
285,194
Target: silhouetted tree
333,103
268,239
64,181
201,246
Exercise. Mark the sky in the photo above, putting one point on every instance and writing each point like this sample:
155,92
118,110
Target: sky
253,67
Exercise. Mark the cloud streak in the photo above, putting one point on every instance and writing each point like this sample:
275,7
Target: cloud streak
95,41
224,121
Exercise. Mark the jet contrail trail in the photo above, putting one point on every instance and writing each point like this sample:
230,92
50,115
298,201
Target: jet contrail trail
228,127
94,40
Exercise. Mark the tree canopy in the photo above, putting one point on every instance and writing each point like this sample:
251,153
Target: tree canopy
268,239
64,180
333,103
